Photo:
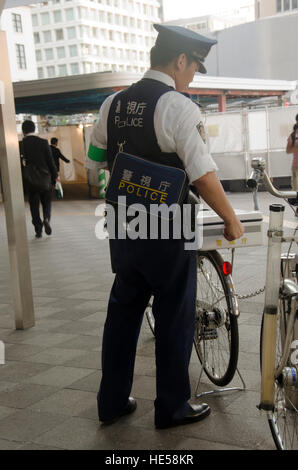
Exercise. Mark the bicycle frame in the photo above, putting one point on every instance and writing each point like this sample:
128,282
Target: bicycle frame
271,306
273,289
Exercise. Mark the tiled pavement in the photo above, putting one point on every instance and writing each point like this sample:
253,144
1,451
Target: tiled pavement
49,383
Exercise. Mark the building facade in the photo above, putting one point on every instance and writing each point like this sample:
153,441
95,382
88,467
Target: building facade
16,22
204,24
274,7
256,50
77,37
227,16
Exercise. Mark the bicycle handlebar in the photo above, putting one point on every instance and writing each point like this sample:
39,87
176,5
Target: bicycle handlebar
259,175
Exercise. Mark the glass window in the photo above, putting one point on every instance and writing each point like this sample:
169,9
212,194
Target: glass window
83,12
85,31
51,71
286,5
34,20
87,66
93,14
40,72
294,4
38,55
61,52
47,36
75,69
71,32
73,50
36,38
69,13
278,6
59,34
49,54
17,23
85,48
57,16
21,57
45,18
62,70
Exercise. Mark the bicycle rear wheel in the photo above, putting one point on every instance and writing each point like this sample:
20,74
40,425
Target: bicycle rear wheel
283,420
216,333
150,316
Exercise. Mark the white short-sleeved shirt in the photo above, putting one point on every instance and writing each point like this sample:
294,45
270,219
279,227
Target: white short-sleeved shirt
178,127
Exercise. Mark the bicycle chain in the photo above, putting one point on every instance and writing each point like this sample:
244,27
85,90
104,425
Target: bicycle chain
251,295
242,297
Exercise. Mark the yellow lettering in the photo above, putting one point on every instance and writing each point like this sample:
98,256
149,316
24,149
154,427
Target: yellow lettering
163,198
130,189
138,193
152,198
121,185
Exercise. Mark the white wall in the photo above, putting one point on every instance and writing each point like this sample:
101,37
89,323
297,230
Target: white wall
25,37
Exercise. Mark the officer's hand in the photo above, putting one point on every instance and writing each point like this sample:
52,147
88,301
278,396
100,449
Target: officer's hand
233,229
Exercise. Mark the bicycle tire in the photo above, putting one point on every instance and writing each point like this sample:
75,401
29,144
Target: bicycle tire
283,421
219,343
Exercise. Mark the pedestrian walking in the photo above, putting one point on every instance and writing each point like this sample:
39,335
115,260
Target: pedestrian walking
39,174
292,149
57,155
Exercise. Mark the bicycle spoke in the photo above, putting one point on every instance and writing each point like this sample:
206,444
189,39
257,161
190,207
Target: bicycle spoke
213,299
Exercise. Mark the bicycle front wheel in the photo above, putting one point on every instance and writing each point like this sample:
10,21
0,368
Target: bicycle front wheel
216,333
283,420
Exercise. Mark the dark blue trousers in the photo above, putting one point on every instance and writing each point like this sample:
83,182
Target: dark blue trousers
143,268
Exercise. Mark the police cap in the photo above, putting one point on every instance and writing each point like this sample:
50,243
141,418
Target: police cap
179,39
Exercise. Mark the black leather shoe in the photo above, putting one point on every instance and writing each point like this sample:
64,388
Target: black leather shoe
38,235
47,227
196,413
130,408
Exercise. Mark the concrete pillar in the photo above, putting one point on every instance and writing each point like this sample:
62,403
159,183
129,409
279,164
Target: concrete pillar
14,205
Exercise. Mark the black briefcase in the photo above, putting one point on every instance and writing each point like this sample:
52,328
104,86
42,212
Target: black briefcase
36,178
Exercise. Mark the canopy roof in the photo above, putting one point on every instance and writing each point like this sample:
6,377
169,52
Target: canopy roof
85,93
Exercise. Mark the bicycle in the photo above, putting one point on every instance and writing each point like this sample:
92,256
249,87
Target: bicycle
279,330
216,338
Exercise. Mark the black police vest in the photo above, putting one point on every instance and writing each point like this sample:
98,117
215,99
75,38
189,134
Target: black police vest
131,124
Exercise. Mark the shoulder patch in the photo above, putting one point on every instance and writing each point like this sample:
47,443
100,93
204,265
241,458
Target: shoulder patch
201,130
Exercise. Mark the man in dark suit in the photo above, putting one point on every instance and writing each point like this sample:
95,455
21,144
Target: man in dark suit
37,151
57,155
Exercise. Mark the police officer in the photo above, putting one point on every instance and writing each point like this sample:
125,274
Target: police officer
159,124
